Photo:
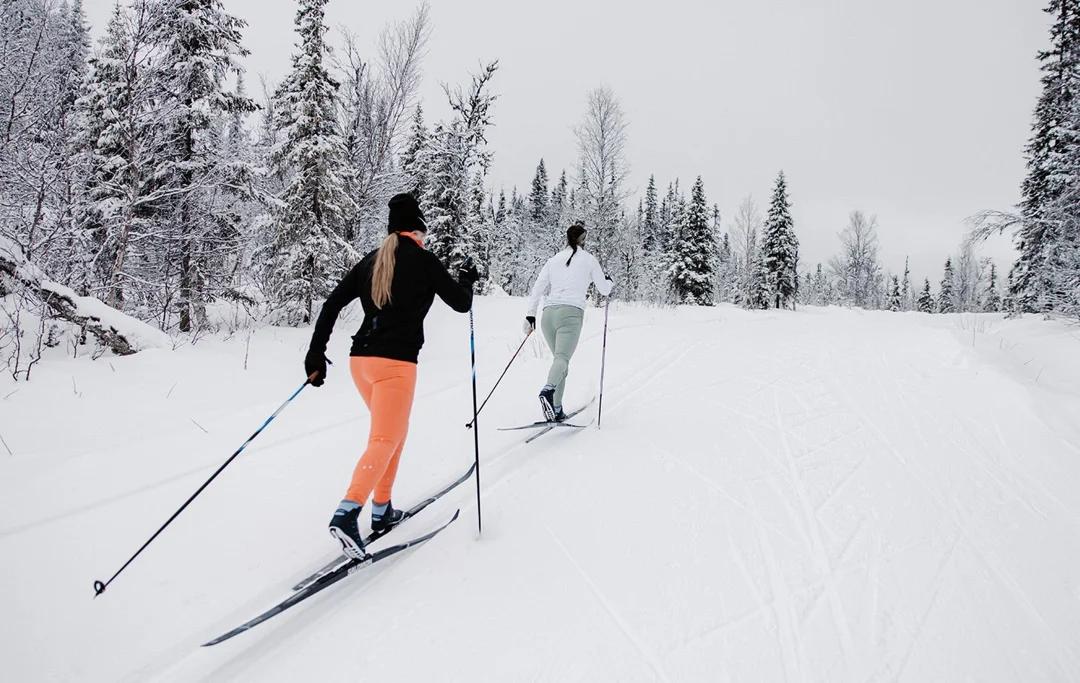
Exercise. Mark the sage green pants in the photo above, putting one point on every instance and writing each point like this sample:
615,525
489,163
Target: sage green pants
562,329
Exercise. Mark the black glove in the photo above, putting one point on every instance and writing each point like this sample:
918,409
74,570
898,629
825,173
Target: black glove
530,324
467,274
315,364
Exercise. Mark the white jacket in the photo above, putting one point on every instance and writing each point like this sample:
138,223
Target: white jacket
567,285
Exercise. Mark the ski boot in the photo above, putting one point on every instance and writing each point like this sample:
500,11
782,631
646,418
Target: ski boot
385,520
547,402
560,416
344,528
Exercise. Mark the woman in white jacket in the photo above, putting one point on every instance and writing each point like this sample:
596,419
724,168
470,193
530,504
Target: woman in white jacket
565,279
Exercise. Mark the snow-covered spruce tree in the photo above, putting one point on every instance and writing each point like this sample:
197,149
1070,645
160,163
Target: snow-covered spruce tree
947,296
43,52
822,294
925,302
650,228
757,296
692,251
780,248
416,162
118,140
310,252
561,216
458,150
68,162
1053,163
907,300
895,296
539,197
992,295
726,272
200,48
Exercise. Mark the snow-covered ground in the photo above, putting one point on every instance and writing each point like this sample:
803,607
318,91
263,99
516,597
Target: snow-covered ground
827,495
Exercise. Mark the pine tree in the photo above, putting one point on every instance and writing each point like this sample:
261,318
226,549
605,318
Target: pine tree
992,297
200,46
415,162
947,295
692,251
539,196
311,252
1053,160
906,293
780,249
925,304
759,293
115,140
895,300
651,226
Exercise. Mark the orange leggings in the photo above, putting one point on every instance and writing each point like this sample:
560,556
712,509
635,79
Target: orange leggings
387,387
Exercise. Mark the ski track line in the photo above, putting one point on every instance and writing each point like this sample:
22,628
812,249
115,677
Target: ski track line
842,484
708,481
921,626
817,547
1003,576
1019,482
190,646
1037,485
253,450
762,610
630,634
789,636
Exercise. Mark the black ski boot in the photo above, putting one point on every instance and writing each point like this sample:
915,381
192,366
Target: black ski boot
344,528
389,519
547,402
560,416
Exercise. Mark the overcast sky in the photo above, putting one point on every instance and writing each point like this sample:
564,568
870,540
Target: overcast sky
916,111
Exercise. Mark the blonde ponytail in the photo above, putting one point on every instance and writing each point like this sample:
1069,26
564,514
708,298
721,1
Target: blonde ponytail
382,275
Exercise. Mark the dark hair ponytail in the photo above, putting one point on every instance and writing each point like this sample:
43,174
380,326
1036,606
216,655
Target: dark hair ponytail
574,235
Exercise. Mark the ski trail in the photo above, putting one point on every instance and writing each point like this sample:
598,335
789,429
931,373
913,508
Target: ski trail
630,634
817,547
988,558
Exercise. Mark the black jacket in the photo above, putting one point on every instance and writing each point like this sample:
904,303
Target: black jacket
397,330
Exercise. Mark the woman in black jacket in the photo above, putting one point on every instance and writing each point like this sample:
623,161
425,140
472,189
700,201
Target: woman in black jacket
396,285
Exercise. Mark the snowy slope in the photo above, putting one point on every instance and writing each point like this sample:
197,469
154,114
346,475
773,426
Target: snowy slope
828,495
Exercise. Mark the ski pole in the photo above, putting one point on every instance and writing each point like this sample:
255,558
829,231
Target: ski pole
469,425
100,587
603,362
476,414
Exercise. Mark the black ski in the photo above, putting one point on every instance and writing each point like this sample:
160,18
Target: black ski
544,423
554,425
376,535
328,580
540,424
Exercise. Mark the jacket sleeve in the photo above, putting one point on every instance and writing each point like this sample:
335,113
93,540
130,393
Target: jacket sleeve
455,294
603,285
346,291
543,281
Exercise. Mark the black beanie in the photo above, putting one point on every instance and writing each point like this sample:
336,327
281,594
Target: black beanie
405,215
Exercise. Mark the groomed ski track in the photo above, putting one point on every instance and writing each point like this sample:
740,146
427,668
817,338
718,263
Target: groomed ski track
825,495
